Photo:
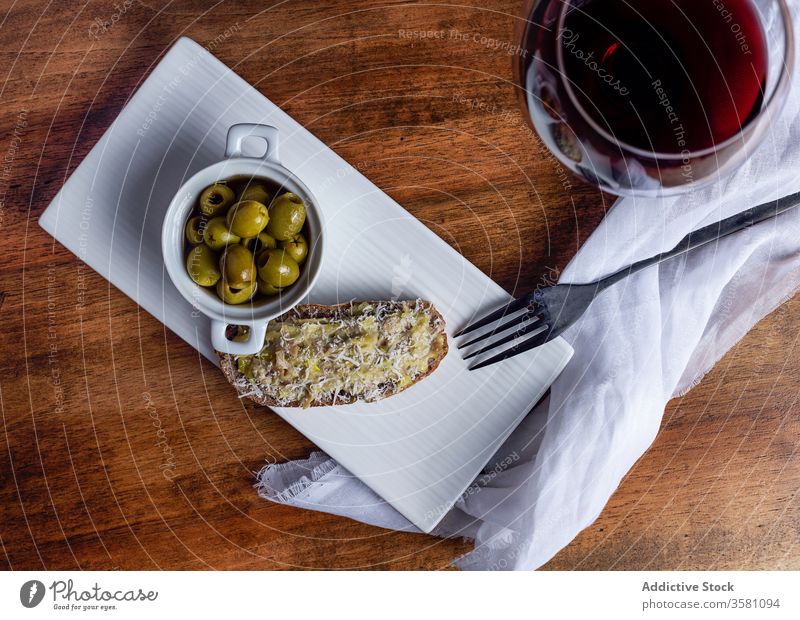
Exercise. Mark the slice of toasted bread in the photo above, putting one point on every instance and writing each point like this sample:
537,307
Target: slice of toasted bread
266,394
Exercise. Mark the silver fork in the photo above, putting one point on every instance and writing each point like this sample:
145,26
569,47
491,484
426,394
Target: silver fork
546,312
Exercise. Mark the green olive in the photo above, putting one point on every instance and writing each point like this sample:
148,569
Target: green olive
267,289
217,235
287,214
241,333
297,248
277,268
201,263
247,218
231,295
238,266
257,192
194,229
251,243
215,199
261,242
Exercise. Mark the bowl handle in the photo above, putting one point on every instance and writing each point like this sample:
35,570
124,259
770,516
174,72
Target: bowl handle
238,133
252,345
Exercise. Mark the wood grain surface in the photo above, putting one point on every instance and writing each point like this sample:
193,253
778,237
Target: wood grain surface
433,121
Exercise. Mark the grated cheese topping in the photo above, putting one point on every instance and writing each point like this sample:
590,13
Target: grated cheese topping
365,351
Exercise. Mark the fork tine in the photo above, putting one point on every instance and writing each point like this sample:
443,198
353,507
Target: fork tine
513,306
522,318
531,343
524,329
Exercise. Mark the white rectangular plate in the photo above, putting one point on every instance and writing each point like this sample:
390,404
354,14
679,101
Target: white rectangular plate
420,449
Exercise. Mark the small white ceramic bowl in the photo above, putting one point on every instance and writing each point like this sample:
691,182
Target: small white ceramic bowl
255,314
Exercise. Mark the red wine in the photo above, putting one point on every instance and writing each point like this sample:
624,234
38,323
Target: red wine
669,76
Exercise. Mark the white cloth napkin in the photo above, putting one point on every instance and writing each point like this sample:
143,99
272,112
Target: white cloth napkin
649,338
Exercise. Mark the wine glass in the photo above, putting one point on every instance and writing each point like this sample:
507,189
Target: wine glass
653,97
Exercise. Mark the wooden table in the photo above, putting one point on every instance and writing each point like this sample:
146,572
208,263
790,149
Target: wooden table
433,121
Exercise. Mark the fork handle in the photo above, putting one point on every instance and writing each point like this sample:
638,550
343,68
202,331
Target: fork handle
707,234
